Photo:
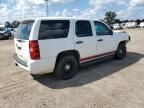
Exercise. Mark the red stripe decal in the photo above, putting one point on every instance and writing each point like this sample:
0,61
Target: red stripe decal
96,56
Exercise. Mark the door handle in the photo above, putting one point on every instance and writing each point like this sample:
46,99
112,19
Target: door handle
79,42
99,40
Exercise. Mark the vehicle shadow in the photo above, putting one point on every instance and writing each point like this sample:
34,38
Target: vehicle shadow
90,73
3,39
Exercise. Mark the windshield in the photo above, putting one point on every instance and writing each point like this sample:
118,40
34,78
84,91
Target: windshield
24,30
2,29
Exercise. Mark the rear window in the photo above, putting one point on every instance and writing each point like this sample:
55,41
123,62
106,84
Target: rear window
24,29
53,29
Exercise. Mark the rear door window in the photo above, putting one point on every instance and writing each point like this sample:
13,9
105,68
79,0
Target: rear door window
54,29
83,29
24,29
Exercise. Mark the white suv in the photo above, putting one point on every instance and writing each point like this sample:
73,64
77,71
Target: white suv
60,45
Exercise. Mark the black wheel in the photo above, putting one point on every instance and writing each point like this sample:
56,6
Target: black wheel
66,67
7,38
121,51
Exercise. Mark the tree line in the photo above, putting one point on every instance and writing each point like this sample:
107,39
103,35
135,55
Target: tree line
14,24
110,18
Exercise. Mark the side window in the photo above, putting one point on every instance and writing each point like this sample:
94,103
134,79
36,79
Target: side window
53,29
101,29
83,29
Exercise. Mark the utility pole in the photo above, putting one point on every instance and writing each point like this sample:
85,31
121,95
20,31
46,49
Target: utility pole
47,9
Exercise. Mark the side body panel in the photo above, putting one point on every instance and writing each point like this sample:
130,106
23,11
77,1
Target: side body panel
88,46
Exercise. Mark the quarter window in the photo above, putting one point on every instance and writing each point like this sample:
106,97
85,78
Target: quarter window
83,29
53,29
101,29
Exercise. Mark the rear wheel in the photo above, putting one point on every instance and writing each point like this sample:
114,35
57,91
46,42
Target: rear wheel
66,67
6,38
121,51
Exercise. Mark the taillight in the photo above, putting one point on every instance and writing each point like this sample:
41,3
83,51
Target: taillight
34,50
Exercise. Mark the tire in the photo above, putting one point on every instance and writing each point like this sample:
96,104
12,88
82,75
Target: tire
7,38
66,68
121,51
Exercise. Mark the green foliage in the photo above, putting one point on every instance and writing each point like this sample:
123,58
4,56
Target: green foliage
110,17
7,24
117,21
14,24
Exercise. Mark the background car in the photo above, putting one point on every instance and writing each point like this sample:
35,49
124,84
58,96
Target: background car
2,32
10,32
117,26
131,25
142,24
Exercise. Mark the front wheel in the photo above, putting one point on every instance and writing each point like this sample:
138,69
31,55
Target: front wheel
66,67
121,51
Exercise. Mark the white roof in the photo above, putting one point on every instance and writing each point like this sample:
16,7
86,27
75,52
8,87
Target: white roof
59,18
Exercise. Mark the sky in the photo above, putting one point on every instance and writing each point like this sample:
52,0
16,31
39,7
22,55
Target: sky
21,9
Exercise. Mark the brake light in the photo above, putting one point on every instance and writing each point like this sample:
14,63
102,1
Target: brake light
34,50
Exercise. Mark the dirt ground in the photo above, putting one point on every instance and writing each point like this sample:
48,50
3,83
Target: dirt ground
109,84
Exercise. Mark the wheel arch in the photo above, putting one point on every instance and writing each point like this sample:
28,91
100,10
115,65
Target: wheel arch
75,53
122,42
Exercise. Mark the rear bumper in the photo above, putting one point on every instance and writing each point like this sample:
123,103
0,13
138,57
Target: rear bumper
18,60
36,66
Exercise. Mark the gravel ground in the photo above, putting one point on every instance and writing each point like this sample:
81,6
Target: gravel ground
109,84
